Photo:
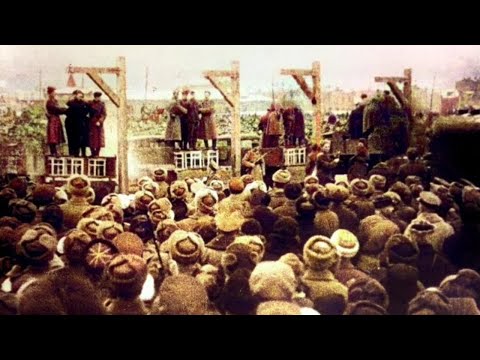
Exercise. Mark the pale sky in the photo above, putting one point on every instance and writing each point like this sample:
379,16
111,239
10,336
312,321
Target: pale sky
350,67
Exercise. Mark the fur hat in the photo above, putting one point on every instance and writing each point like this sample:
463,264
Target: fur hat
396,199
294,262
337,193
19,185
90,226
217,185
181,295
251,227
247,179
90,195
346,243
24,210
165,229
368,289
159,175
108,230
98,255
319,253
129,243
413,180
186,247
401,250
378,182
37,248
403,190
282,177
75,245
112,199
259,197
236,297
236,186
201,202
466,283
142,200
159,210
266,217
43,194
239,256
365,308
284,236
229,222
255,242
420,231
429,199
151,187
60,196
45,228
320,200
210,279
254,186
144,180
10,222
310,179
206,228
61,292
116,212
360,187
127,274
429,302
98,213
382,201
78,185
278,308
142,226
53,215
273,280
179,189
293,191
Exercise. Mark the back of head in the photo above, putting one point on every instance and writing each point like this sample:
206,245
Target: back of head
53,215
365,308
293,191
181,295
465,284
273,280
236,297
278,308
61,292
368,289
429,302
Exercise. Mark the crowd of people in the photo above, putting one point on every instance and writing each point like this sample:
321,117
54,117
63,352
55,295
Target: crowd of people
83,124
394,241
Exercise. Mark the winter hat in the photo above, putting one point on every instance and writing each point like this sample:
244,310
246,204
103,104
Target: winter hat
142,200
266,217
311,189
159,210
320,200
365,308
256,185
285,233
165,229
53,215
420,231
236,186
429,302
401,250
247,179
239,256
186,247
466,283
151,187
142,226
319,253
229,222
282,177
336,193
45,228
127,274
278,308
259,197
236,297
378,182
254,242
403,190
360,187
78,185
310,179
430,200
7,241
251,227
382,201
413,180
294,262
210,279
346,243
159,175
217,185
10,222
293,191
60,292
90,195
75,246
207,229
143,180
205,200
129,243
60,196
181,295
112,199
305,208
19,185
98,213
36,247
20,231
24,210
90,226
98,255
116,212
368,289
43,194
396,199
273,280
108,230
179,189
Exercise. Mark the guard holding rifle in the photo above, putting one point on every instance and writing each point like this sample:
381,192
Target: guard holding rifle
326,163
252,162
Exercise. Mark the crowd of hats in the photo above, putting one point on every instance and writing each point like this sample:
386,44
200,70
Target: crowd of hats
381,245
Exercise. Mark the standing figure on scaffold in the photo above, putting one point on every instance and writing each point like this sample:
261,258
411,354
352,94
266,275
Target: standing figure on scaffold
55,135
173,132
207,129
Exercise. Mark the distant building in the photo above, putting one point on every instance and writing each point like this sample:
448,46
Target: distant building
469,92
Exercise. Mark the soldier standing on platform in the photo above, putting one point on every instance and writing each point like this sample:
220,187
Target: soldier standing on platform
184,119
288,125
298,127
326,163
97,118
76,124
274,129
173,132
55,134
262,126
193,120
207,129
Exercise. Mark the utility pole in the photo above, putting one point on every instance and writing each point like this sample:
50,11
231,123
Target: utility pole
146,83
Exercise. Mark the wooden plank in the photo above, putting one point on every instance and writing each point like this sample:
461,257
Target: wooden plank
219,73
97,79
297,72
236,144
387,79
407,86
300,80
216,85
122,129
317,95
85,70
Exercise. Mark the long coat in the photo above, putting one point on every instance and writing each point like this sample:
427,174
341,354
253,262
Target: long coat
97,133
77,122
193,118
207,129
55,133
173,131
325,167
299,125
274,124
